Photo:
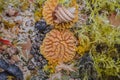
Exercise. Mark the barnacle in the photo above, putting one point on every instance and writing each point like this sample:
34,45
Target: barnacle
59,16
59,46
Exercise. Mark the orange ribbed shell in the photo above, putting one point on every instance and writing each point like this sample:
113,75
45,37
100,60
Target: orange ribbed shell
59,46
48,10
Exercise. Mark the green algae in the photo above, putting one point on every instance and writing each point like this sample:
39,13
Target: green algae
99,31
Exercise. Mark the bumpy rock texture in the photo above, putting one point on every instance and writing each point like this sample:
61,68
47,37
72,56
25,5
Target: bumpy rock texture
41,28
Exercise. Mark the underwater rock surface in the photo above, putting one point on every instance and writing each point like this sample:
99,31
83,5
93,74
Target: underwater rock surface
59,40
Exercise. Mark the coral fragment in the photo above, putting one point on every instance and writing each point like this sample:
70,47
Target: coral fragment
59,46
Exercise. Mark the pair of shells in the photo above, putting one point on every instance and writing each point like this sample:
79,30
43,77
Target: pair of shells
63,14
59,16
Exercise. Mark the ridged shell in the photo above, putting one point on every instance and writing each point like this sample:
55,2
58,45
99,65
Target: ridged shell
49,9
59,46
63,15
